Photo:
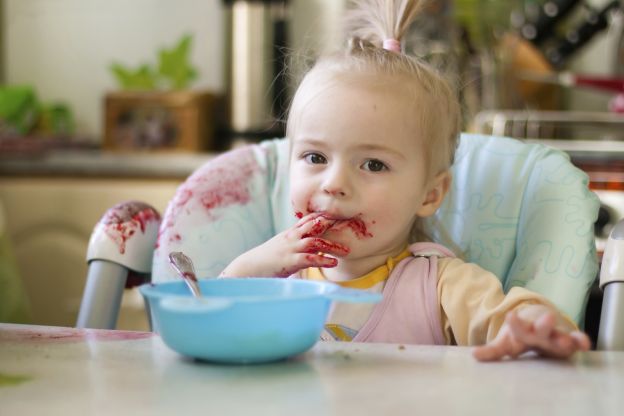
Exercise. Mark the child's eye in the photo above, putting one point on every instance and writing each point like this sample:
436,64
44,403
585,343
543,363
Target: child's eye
374,165
315,158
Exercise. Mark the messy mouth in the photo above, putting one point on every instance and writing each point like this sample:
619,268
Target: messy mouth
355,224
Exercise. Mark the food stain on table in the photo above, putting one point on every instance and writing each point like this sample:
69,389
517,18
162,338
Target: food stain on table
70,335
7,380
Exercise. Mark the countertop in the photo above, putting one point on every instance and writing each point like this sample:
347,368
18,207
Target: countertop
66,371
97,163
178,165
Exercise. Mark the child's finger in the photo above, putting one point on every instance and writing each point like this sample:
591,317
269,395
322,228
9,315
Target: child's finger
518,327
488,352
315,227
538,335
316,245
582,341
564,344
497,349
307,218
544,326
303,261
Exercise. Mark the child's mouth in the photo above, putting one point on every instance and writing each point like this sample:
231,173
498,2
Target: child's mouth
355,224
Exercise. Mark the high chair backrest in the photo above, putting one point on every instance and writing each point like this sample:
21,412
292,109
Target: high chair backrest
522,211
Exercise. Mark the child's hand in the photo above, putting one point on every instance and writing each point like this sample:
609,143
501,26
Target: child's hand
534,328
290,251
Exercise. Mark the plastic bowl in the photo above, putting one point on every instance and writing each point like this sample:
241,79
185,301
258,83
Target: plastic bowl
244,320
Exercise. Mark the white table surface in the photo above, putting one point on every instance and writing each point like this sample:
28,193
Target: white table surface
65,371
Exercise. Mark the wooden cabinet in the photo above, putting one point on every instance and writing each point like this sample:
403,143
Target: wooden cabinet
49,222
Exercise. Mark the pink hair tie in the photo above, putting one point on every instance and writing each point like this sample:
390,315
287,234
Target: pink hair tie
392,45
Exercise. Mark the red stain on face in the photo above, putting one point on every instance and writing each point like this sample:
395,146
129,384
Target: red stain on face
356,225
123,221
221,183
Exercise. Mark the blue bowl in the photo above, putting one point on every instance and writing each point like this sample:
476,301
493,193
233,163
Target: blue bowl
244,320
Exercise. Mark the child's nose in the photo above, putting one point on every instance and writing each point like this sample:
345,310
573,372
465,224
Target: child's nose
336,183
334,192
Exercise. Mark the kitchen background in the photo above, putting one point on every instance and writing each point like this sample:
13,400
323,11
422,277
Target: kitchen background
64,48
79,152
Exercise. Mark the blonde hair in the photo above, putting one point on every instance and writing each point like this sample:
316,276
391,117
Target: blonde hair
368,24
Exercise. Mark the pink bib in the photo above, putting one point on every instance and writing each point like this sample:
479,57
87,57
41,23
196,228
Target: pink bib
410,311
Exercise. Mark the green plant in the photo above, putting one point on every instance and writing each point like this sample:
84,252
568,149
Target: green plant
174,71
21,113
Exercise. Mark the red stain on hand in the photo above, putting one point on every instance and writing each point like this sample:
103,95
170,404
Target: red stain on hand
123,221
321,224
319,245
321,261
220,183
311,260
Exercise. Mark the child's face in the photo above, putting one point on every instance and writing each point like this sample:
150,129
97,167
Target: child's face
357,157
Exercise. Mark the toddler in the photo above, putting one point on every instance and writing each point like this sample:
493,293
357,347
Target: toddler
373,134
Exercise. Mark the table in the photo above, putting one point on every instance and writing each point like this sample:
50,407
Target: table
67,371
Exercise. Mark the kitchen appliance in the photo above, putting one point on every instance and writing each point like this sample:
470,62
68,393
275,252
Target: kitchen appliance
256,52
539,49
569,79
598,133
618,62
550,13
594,21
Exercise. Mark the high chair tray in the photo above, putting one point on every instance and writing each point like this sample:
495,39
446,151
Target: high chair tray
53,370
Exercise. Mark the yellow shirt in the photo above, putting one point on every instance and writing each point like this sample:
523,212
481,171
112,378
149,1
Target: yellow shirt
472,303
346,319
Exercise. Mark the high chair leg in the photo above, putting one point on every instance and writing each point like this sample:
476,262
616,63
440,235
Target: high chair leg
611,333
102,296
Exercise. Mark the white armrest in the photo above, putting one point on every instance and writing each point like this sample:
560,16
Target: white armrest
122,240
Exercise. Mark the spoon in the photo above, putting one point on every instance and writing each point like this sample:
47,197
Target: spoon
184,266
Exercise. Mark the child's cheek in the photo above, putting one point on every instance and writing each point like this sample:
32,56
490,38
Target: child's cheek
300,205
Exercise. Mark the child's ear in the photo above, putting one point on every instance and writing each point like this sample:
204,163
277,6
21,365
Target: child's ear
437,189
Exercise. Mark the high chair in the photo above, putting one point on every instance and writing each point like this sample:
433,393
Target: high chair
521,211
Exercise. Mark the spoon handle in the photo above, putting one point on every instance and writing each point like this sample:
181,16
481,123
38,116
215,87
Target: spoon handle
184,266
191,281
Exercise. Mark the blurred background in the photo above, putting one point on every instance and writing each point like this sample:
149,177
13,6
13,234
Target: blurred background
105,101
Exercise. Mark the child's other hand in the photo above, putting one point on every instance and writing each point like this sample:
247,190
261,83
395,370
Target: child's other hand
292,250
534,328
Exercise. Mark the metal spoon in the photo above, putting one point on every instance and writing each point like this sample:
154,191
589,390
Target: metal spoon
184,266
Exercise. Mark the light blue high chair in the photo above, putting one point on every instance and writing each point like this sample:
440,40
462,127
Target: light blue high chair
522,211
